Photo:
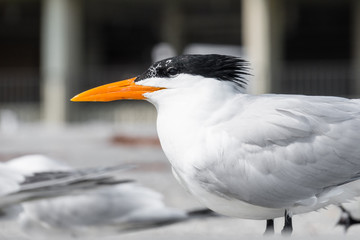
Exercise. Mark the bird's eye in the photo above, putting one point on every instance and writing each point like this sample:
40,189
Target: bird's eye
172,72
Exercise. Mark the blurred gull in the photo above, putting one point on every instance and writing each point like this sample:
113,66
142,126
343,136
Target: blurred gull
17,184
102,211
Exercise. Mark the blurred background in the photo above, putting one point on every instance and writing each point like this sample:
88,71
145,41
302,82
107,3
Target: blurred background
51,50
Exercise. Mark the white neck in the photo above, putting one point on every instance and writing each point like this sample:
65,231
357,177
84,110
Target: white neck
184,112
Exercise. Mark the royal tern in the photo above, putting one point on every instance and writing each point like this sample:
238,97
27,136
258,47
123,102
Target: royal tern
101,211
243,155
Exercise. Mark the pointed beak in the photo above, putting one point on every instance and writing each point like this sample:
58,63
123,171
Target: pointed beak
126,89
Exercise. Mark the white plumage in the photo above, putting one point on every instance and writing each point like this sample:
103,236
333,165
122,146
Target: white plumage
34,163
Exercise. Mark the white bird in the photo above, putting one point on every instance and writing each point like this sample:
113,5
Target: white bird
243,155
100,211
20,184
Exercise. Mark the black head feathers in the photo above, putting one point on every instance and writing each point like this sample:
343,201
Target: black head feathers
220,67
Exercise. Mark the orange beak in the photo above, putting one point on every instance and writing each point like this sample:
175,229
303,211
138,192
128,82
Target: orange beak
126,89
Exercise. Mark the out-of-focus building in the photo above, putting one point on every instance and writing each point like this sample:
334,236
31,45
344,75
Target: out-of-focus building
52,49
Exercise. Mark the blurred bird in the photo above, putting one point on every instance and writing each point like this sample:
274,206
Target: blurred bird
115,207
20,182
242,155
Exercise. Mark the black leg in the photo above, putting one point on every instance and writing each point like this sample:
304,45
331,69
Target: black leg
346,219
269,227
287,230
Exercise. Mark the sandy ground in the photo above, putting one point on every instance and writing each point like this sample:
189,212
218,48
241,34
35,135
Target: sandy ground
92,145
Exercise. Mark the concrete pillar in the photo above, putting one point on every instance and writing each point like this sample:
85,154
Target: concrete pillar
356,48
262,35
60,56
172,30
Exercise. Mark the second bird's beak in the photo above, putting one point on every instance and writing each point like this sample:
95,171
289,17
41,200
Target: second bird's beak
126,89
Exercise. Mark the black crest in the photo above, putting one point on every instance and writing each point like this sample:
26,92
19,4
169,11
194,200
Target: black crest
220,67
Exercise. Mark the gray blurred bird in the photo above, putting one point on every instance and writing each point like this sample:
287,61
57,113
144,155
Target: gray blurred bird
116,206
29,177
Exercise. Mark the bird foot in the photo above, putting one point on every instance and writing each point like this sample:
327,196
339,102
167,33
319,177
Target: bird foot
287,230
346,219
269,231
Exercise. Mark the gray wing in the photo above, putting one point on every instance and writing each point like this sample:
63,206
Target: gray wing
288,150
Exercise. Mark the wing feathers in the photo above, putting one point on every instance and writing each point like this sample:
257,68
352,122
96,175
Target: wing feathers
305,145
